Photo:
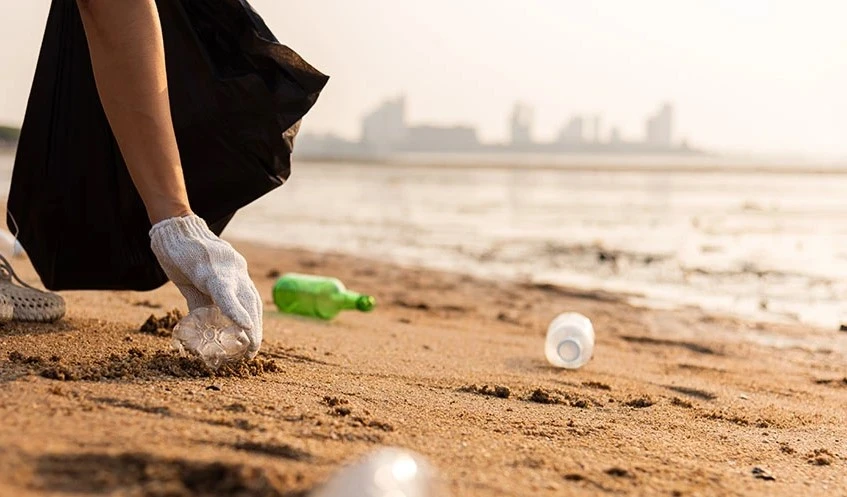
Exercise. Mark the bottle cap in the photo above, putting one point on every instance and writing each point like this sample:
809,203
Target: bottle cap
569,350
365,303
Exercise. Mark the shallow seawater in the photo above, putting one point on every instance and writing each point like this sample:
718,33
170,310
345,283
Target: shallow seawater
761,244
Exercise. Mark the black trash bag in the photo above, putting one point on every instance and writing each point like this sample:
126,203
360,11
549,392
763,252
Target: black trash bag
237,99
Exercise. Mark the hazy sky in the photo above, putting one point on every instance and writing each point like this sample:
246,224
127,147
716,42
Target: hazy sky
766,76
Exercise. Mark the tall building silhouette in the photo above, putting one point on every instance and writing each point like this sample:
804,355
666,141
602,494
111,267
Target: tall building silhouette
660,127
385,128
597,129
385,131
615,136
574,131
521,125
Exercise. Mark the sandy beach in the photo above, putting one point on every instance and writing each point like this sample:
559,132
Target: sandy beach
673,403
479,169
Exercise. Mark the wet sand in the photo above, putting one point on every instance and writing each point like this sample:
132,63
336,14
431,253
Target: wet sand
673,403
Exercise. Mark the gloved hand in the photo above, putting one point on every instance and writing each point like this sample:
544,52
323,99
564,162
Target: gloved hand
207,271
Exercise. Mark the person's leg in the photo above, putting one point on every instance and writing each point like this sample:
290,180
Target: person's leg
128,57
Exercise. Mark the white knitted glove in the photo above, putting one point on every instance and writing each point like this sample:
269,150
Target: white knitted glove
208,270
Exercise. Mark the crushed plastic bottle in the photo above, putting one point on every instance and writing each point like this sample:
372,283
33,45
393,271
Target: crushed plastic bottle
209,334
570,341
387,472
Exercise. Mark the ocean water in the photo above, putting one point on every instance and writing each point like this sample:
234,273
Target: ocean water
763,244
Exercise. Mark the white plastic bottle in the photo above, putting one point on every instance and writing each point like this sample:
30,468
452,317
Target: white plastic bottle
570,341
386,472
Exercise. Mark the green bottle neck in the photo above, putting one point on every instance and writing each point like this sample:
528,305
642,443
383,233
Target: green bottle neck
356,301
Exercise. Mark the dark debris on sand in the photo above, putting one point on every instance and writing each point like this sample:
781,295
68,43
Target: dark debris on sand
597,385
19,358
541,396
762,474
641,402
151,475
161,326
496,391
821,457
836,382
138,365
334,401
283,451
618,472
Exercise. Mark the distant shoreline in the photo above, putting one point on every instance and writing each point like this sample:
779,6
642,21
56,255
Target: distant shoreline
581,163
571,163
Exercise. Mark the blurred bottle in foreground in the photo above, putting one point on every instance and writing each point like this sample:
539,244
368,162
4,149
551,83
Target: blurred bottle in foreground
209,334
387,472
14,246
317,296
570,341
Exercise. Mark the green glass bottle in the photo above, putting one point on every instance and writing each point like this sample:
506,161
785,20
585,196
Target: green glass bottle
317,296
